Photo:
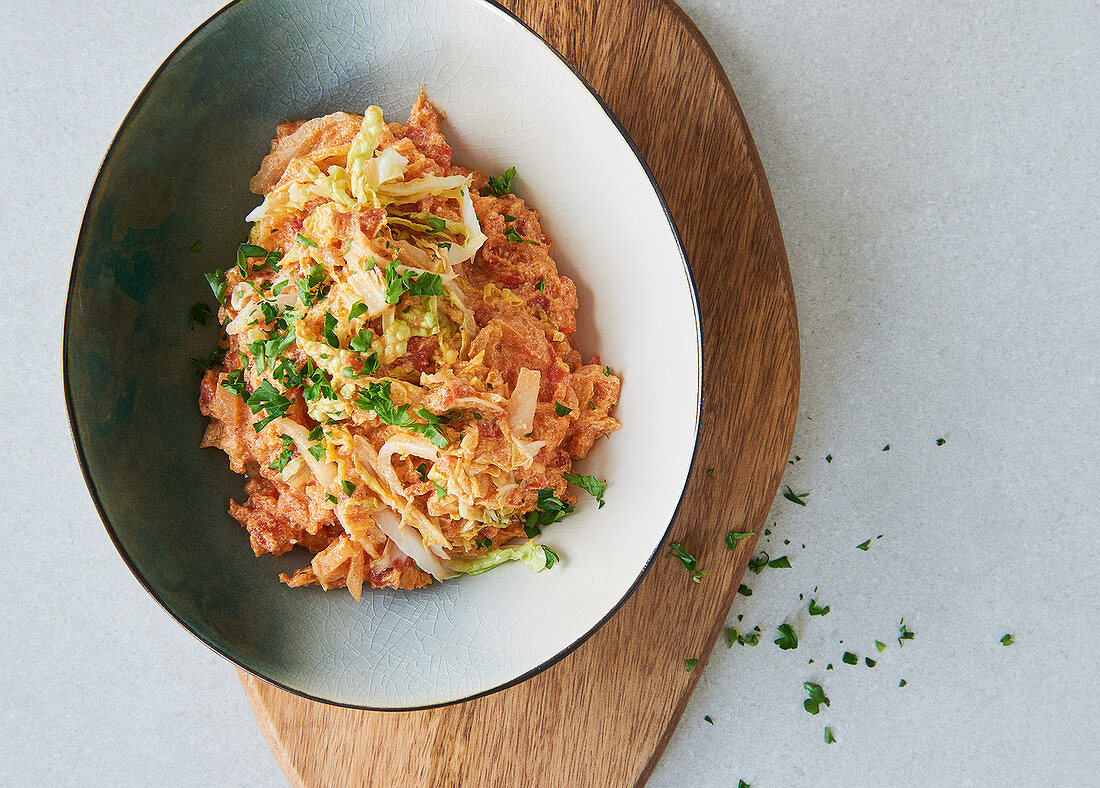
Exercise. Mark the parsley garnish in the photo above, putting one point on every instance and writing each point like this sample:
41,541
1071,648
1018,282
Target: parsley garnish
1007,640
508,218
788,638
199,313
309,288
398,282
422,471
758,562
699,575
267,397
749,639
733,536
328,333
744,590
316,433
358,308
317,383
813,703
607,372
743,784
780,563
551,557
940,441
817,610
377,398
886,447
880,646
904,633
234,382
305,241
331,498
849,658
902,683
347,486
828,458
548,509
541,286
683,556
829,738
502,185
361,343
486,543
791,496
317,451
708,719
197,246
436,224
869,662
216,281
590,484
689,664
865,546
561,410
439,491
516,238
284,456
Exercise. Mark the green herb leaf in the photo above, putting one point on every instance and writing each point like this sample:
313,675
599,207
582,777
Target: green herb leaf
317,451
699,575
440,491
1007,640
284,456
880,646
816,697
590,484
216,281
328,332
516,238
869,662
733,536
607,372
199,313
828,458
886,447
743,784
362,343
197,246
484,543
305,241
904,633
849,658
234,382
331,498
816,610
902,683
689,664
541,286
788,638
437,224
347,486
708,719
865,546
551,557
758,562
940,441
829,738
791,496
502,185
561,410
310,288
689,561
357,309
744,590
780,563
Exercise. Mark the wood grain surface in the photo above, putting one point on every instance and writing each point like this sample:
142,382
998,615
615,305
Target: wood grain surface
602,716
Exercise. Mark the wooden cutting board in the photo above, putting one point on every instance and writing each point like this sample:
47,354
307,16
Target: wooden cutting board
603,715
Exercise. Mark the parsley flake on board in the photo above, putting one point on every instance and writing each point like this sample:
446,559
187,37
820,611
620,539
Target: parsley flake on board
699,575
689,664
590,484
733,537
904,633
865,546
758,562
502,184
689,561
788,638
816,697
561,410
1007,640
816,610
796,498
198,315
902,683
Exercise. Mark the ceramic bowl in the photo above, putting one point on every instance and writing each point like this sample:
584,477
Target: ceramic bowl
169,204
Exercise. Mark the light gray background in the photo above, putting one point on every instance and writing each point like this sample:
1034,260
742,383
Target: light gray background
935,172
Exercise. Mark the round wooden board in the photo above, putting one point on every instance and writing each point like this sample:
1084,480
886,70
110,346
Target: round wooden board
603,715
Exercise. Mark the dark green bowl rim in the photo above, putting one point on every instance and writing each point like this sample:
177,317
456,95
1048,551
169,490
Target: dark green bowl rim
70,408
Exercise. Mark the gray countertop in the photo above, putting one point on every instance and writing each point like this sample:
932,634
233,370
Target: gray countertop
935,169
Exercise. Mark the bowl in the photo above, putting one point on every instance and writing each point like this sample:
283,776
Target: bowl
169,204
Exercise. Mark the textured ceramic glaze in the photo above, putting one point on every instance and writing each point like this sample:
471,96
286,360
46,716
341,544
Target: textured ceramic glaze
169,205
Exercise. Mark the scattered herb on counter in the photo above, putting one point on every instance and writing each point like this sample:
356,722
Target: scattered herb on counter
902,683
198,315
817,610
758,562
796,498
708,719
941,441
743,784
216,281
880,646
865,546
744,590
886,447
689,664
829,738
828,458
849,658
816,697
788,638
1007,640
780,563
829,666
869,662
699,575
904,633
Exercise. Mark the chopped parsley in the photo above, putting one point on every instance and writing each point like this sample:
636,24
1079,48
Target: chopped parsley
284,456
733,536
199,313
791,496
400,282
865,546
743,784
607,372
829,738
699,575
516,238
484,543
828,458
849,658
1007,640
904,633
361,343
234,382
357,309
689,561
377,398
440,491
436,224
329,332
869,662
886,447
318,452
758,562
902,683
551,557
216,281
347,487
422,471
331,498
817,610
197,246
305,241
941,441
708,719
502,185
747,639
788,638
744,590
267,397
548,509
880,646
541,286
310,289
590,484
561,410
816,697
780,563
689,664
